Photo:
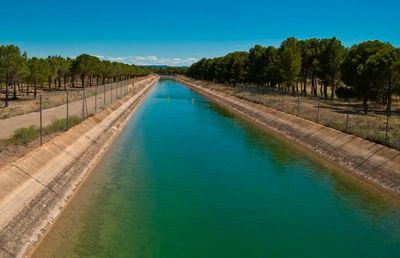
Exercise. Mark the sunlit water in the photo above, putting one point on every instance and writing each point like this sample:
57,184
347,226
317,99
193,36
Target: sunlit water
188,179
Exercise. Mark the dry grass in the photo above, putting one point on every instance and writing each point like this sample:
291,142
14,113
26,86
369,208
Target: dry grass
26,103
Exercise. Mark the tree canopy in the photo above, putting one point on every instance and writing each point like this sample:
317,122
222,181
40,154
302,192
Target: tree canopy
367,71
17,68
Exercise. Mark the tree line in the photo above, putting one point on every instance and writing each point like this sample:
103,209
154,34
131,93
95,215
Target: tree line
369,71
55,72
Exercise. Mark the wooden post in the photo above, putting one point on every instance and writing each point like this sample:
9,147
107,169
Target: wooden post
67,111
95,99
317,109
346,128
41,121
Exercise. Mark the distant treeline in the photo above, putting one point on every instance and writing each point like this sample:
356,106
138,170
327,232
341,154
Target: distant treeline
17,70
367,71
171,70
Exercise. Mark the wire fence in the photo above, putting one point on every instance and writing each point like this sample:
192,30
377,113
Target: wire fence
345,115
49,114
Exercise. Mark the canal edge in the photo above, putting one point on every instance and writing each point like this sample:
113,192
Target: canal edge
372,163
41,184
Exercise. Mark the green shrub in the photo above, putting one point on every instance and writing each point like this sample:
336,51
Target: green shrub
24,135
60,124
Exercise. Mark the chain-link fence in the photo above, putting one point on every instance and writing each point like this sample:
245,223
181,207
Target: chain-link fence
32,120
345,115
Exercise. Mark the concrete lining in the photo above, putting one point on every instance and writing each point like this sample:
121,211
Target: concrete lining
376,163
35,188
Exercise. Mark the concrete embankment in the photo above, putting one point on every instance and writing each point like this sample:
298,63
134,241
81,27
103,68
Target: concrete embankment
374,162
35,188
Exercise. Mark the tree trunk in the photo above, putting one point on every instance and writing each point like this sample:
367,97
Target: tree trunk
49,84
83,81
389,104
332,87
320,89
15,91
7,91
313,86
365,105
34,90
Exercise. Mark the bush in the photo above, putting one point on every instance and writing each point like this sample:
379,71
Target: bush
24,135
28,134
61,124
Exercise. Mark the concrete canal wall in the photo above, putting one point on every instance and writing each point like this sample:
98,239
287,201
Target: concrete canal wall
371,161
35,188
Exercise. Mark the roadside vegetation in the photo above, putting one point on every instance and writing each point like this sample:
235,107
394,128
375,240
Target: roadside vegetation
24,140
353,89
21,77
29,134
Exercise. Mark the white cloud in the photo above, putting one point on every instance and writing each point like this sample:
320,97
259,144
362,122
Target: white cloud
150,60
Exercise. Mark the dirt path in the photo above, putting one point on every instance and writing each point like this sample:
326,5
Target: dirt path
9,125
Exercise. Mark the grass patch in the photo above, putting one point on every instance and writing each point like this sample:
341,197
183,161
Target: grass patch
24,135
60,124
28,134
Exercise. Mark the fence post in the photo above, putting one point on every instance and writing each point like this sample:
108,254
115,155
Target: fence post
387,122
67,110
83,107
86,107
41,120
298,104
111,92
95,99
317,109
116,91
346,128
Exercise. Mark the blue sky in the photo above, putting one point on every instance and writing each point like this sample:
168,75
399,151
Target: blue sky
178,32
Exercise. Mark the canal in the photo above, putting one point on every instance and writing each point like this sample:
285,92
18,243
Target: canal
189,179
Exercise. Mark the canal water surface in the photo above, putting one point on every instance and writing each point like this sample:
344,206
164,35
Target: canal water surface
189,179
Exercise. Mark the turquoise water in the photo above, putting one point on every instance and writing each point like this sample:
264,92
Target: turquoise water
188,179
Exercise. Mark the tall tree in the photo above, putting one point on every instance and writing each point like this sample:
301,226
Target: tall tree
257,66
85,66
329,60
289,61
39,69
12,67
384,70
355,74
310,49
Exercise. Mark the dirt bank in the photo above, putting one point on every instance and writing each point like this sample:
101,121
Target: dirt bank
35,188
374,162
